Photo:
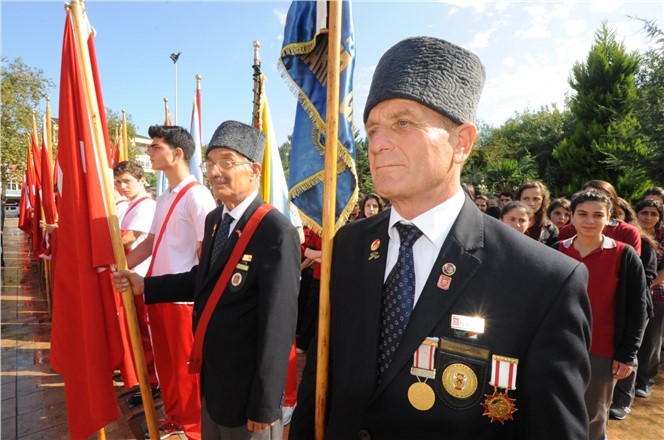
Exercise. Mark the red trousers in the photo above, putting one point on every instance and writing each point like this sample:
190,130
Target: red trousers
172,340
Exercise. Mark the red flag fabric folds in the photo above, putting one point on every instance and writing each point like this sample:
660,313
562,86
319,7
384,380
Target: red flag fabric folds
85,346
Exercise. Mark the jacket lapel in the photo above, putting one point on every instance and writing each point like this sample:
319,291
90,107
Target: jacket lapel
215,270
374,260
214,217
466,235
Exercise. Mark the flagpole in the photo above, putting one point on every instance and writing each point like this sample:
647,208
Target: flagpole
329,208
49,148
258,87
114,226
199,106
49,128
125,141
174,58
40,261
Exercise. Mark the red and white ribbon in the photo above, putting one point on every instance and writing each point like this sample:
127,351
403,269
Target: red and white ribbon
503,372
424,359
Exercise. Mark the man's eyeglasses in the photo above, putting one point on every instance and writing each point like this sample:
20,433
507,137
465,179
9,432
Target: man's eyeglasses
225,164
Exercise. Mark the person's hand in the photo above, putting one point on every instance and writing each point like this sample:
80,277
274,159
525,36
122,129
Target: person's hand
258,426
48,226
620,370
123,278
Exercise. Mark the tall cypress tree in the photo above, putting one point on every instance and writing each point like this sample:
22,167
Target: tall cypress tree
606,143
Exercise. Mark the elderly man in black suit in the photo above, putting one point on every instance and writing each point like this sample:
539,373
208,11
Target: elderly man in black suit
445,323
252,326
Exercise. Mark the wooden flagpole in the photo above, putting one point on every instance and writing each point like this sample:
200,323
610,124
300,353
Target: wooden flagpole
48,141
118,249
167,116
125,143
329,211
47,144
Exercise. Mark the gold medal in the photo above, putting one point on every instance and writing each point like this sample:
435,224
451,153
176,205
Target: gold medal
421,396
459,380
499,406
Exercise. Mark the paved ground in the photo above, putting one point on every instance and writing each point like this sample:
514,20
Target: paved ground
32,394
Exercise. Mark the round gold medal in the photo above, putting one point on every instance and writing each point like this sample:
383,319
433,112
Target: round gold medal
421,396
459,380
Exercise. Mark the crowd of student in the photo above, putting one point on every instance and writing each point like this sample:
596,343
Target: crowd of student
608,235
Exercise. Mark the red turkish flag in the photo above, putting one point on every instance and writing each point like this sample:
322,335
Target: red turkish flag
85,346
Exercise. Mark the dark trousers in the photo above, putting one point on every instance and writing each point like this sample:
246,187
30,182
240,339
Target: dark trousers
650,351
309,317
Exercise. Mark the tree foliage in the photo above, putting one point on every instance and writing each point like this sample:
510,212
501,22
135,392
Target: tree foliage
114,121
362,165
650,108
23,89
606,142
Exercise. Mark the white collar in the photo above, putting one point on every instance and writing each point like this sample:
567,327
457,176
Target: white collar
239,210
606,243
435,223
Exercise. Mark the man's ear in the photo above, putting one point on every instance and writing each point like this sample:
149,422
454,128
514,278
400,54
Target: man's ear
466,134
257,168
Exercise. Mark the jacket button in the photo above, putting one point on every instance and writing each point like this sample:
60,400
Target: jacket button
363,434
195,313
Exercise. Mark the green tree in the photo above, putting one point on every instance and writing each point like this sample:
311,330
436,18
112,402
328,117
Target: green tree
507,174
284,154
114,121
606,142
535,134
362,165
650,108
23,88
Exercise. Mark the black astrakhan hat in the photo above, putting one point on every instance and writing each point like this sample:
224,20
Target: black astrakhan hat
440,75
239,137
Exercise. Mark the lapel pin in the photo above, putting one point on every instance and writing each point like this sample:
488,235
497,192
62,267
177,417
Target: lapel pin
236,279
449,269
375,245
444,282
373,256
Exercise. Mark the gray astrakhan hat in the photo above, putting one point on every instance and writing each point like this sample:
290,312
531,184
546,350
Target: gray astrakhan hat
241,138
440,75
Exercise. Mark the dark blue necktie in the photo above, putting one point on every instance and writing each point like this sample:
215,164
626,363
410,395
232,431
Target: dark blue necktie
398,297
221,237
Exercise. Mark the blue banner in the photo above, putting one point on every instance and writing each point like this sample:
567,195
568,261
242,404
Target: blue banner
304,65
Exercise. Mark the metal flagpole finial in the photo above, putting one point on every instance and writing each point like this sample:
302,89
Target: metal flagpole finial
257,58
165,100
175,56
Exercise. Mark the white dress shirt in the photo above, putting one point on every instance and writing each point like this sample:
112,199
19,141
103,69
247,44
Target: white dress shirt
435,224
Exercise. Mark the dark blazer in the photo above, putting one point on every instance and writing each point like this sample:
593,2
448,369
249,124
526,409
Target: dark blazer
250,333
535,307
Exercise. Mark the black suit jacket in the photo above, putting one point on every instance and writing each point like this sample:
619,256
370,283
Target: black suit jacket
250,333
534,304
